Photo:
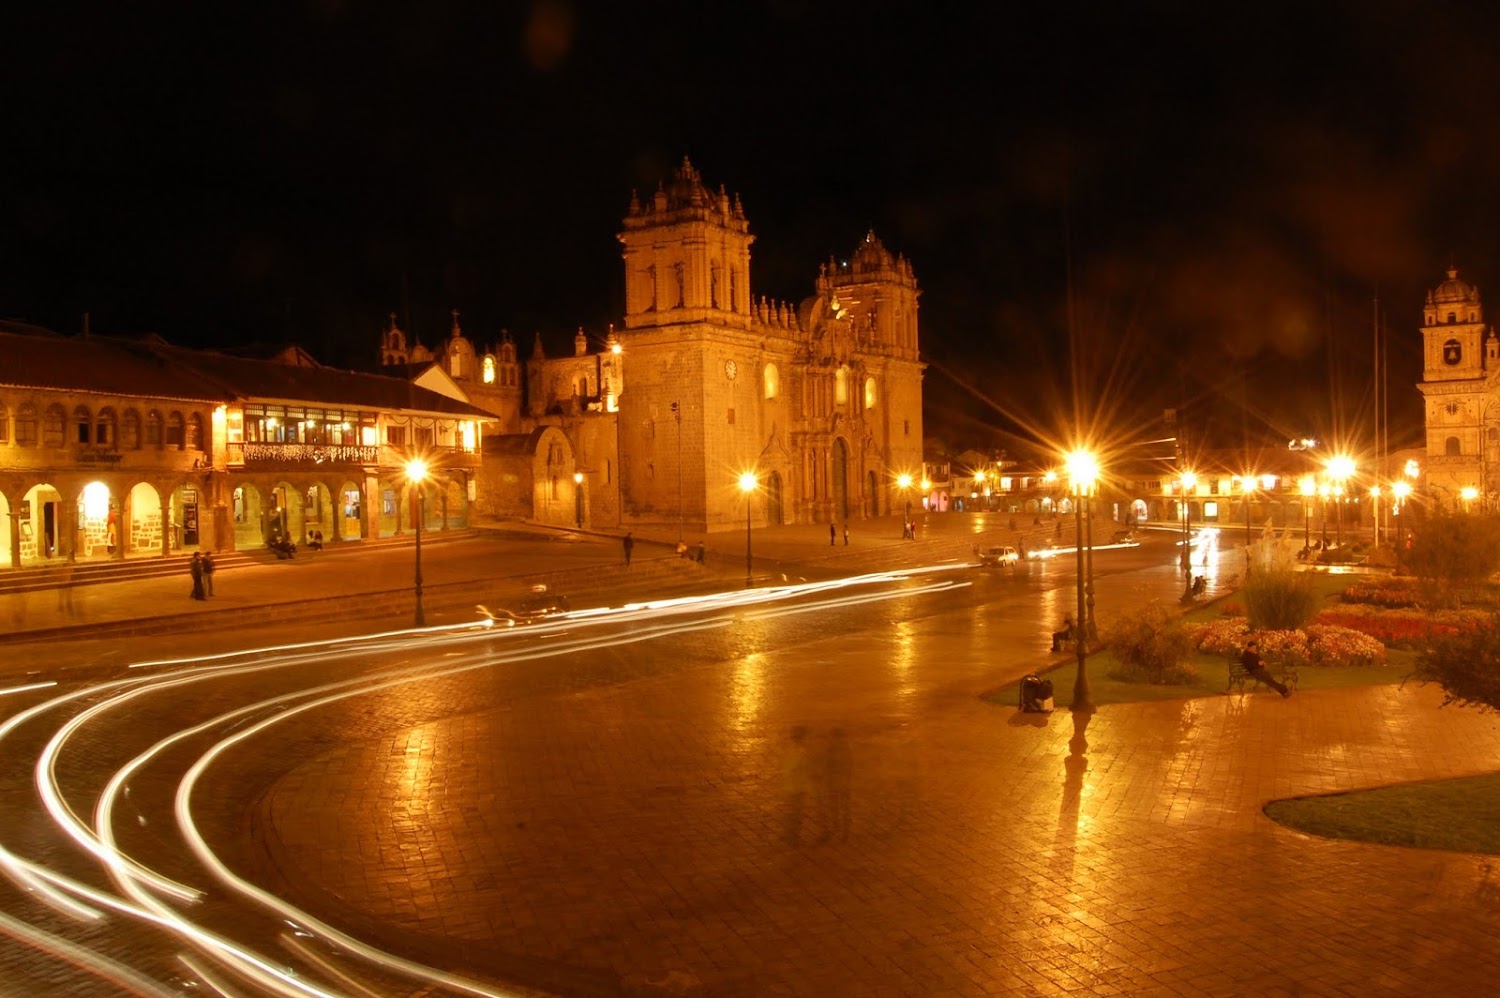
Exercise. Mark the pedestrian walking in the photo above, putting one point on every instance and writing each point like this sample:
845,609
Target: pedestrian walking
846,533
833,535
195,569
629,543
208,574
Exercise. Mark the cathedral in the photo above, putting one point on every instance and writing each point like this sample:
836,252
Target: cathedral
656,422
1461,391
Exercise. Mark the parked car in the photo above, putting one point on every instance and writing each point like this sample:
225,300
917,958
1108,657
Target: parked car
999,556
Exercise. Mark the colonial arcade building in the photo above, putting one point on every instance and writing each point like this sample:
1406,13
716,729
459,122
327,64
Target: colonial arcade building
113,448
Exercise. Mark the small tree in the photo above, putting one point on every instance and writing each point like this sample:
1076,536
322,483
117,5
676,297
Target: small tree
1467,665
1452,553
1152,646
1277,596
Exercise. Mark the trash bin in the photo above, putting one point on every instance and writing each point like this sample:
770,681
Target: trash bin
1036,694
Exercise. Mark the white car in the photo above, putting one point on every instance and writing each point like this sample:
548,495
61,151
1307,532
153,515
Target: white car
998,556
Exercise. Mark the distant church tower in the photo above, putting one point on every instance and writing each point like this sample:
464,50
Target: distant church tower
393,345
1461,358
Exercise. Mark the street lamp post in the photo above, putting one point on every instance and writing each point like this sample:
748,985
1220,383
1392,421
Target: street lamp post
1247,488
1309,489
1083,469
416,474
903,482
748,483
1401,491
1340,469
1324,491
1189,481
578,498
1375,509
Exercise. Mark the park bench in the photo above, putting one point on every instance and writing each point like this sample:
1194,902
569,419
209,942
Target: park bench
1287,674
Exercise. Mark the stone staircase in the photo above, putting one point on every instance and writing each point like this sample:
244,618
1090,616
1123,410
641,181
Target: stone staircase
59,574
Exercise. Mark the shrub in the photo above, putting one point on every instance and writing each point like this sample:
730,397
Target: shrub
1152,646
1467,665
1393,593
1278,600
1319,644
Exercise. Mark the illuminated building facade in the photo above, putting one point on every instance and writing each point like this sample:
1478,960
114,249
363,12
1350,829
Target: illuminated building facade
113,448
1460,386
701,382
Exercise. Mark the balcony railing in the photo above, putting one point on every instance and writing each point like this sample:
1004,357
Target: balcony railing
261,453
347,454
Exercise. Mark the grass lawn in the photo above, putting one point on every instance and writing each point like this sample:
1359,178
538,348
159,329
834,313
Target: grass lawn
1461,815
1213,677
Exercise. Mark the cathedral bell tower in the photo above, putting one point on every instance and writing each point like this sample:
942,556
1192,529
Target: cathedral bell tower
1459,361
1453,331
687,256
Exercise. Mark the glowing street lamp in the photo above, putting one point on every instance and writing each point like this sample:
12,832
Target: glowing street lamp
748,484
1340,470
578,498
1324,491
1083,470
416,474
1375,508
1468,494
903,482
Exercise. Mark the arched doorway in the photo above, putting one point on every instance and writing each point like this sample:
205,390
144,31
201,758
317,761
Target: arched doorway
41,523
247,512
5,527
872,496
840,480
284,516
142,520
95,522
317,513
774,515
351,509
188,528
1138,512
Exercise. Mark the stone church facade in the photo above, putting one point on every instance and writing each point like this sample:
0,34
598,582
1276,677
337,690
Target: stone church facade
1461,393
702,382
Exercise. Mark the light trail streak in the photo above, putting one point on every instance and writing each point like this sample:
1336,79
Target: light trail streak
27,689
138,882
119,974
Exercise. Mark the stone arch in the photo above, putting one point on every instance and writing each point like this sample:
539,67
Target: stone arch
41,524
54,426
5,555
194,438
105,424
839,481
96,502
319,512
775,508
870,393
152,438
130,430
351,520
552,465
283,515
26,425
1452,448
772,381
141,524
175,436
247,514
82,425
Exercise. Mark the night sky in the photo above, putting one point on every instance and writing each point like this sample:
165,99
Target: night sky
1223,188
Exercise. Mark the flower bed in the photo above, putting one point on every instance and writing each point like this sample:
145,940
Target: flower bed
1402,628
1318,644
1382,592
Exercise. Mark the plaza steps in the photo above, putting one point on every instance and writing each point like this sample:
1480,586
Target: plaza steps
86,573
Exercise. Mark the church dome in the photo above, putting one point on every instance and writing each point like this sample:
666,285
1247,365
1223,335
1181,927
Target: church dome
1454,291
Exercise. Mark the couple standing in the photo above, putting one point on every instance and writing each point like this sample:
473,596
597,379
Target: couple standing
202,570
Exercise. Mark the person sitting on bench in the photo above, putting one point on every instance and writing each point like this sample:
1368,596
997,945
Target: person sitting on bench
1250,661
1066,634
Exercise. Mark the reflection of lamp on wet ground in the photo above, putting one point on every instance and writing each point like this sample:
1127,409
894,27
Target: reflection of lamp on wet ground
1189,481
416,474
748,484
1082,469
